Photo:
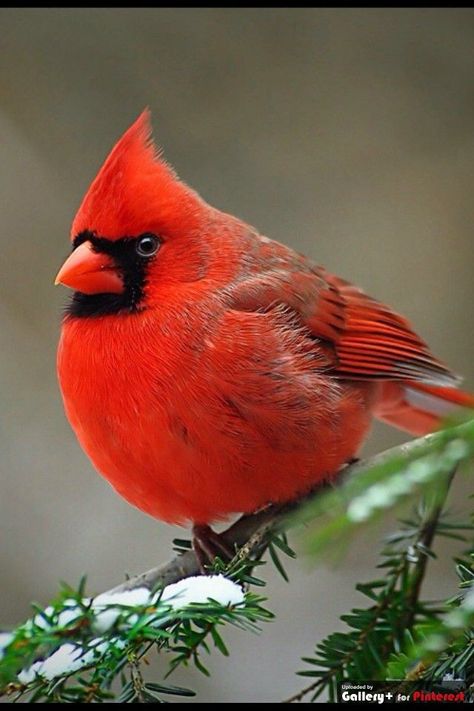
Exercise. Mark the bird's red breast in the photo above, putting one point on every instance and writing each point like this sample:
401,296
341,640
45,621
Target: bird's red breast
208,370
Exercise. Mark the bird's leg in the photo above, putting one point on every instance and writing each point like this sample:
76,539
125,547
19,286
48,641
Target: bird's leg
207,545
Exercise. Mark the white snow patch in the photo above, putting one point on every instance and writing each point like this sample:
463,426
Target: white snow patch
200,589
70,658
26,676
69,614
67,659
5,639
107,606
41,621
467,603
197,589
128,598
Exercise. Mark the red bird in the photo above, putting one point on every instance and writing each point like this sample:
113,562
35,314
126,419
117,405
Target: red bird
206,369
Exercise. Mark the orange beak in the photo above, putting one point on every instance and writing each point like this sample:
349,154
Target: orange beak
90,272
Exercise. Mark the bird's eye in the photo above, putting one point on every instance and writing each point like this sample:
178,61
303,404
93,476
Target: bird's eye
147,245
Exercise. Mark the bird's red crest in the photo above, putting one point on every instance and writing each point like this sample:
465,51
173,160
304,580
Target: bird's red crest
136,191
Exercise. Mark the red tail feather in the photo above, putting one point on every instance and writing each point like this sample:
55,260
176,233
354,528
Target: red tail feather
418,408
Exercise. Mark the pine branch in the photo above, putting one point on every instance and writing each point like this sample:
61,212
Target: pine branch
412,566
444,645
251,534
422,545
382,629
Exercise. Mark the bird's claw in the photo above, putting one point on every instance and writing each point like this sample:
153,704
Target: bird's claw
207,545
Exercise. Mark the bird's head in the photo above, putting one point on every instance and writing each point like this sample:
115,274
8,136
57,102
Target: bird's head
138,226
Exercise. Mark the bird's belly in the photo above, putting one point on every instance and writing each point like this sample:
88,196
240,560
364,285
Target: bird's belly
136,454
183,440
183,465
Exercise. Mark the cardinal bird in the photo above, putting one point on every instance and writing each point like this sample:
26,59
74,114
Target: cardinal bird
207,369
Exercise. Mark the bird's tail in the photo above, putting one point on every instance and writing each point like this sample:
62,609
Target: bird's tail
418,408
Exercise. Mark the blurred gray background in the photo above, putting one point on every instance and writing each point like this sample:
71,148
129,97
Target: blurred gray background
345,133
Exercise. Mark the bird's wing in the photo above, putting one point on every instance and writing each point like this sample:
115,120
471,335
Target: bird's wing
363,338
